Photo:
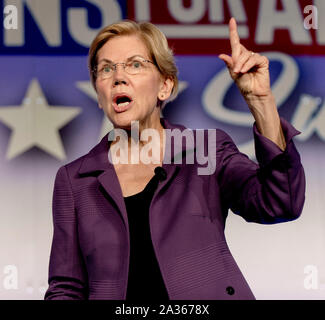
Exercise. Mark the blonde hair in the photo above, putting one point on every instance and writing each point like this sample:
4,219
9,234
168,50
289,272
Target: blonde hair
155,41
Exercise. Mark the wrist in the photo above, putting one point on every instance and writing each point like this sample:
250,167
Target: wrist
260,101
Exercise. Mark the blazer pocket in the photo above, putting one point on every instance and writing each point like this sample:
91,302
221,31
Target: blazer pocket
199,268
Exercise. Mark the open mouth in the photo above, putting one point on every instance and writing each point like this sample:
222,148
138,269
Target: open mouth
122,101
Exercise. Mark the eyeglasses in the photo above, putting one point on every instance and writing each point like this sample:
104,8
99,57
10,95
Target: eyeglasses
134,66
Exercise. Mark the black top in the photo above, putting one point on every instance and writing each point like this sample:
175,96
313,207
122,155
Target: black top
145,281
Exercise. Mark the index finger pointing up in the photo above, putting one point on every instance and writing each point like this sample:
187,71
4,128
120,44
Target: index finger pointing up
234,38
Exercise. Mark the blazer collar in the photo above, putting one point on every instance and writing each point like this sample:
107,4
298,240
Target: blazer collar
96,161
97,158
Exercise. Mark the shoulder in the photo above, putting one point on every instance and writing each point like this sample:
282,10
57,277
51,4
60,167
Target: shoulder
94,158
214,138
220,135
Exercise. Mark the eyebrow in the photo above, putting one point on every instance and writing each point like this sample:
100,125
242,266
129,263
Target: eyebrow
128,59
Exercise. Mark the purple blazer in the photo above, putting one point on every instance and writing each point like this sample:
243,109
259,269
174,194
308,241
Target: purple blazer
90,249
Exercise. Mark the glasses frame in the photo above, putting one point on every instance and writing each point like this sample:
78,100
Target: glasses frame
124,64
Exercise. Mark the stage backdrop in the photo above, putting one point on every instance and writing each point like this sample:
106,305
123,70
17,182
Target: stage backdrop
49,116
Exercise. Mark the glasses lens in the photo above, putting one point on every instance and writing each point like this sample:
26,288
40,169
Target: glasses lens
107,71
134,66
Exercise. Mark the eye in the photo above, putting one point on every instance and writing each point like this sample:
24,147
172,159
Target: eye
106,69
135,64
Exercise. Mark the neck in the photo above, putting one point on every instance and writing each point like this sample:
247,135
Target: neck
145,142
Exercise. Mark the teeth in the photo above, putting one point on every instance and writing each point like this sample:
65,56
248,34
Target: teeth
123,104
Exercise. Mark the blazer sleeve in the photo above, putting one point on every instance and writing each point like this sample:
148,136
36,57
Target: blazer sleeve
270,191
67,275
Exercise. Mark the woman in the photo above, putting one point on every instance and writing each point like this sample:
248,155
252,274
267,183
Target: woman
155,231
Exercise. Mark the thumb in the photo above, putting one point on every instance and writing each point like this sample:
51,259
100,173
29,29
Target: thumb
229,63
226,59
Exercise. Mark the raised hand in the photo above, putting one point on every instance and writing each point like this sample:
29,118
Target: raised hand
249,70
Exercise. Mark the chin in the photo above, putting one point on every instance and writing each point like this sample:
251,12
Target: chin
122,121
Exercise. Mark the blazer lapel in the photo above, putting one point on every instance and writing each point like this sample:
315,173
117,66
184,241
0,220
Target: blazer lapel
175,151
96,163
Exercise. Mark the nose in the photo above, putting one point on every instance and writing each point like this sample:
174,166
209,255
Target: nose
117,82
119,76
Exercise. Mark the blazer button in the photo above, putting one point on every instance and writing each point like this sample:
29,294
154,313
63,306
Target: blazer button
230,290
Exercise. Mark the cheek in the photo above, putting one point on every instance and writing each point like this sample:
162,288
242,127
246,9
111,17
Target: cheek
102,97
149,96
151,89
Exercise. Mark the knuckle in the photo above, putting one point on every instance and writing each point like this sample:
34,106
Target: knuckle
266,60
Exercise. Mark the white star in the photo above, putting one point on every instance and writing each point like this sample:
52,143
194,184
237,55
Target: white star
87,88
35,123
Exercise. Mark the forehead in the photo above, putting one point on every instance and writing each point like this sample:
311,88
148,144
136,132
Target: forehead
122,47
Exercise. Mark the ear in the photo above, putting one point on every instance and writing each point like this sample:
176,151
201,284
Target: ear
166,89
99,103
